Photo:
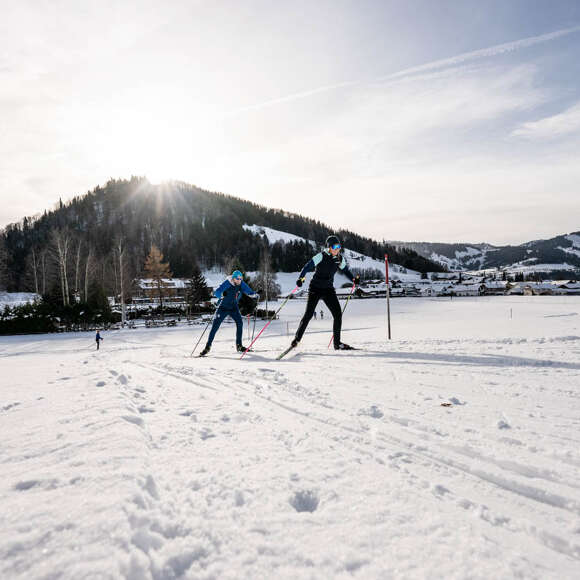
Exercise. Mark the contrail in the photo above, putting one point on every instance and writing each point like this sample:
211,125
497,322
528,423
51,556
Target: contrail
434,65
484,52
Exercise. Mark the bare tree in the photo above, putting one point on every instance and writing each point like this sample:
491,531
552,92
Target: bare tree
3,265
89,268
60,241
120,252
77,288
265,282
34,263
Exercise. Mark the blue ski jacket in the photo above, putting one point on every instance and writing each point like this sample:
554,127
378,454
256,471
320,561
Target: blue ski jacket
231,294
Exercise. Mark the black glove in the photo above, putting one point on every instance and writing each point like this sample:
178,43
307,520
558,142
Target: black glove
299,282
356,280
224,293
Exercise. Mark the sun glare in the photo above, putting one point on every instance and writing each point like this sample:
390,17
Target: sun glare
161,142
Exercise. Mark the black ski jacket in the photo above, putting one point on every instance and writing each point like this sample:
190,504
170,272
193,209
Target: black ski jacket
325,266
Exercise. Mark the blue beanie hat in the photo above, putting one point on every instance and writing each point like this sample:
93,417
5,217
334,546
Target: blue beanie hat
237,274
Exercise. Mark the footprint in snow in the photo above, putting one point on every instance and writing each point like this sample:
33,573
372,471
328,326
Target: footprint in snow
305,500
206,434
133,419
373,411
439,490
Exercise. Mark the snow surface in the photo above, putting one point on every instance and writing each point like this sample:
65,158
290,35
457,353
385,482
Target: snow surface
575,239
274,236
523,269
17,298
575,249
452,451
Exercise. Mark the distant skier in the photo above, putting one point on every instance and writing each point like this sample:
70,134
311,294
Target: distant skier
321,314
315,315
98,339
325,264
230,292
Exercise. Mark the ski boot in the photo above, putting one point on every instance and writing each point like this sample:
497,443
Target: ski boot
343,346
242,348
205,350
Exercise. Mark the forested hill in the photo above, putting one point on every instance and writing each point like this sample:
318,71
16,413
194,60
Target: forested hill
190,226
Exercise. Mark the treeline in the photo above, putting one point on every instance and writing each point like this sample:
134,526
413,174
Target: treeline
103,238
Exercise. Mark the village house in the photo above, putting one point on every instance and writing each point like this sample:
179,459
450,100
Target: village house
467,289
496,287
568,286
174,289
540,289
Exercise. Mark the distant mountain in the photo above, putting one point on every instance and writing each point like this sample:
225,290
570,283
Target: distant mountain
192,227
556,255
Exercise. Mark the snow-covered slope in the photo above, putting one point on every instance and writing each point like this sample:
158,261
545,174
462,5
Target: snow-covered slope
17,298
142,463
274,236
556,254
355,260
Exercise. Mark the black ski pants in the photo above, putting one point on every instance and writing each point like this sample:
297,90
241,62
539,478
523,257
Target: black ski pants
328,296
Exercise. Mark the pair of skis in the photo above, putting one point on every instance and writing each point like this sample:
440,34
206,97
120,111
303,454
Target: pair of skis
285,352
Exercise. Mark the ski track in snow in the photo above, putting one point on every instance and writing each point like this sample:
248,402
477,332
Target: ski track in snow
140,462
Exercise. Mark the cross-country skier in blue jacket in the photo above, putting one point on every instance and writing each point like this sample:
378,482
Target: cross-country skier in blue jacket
229,293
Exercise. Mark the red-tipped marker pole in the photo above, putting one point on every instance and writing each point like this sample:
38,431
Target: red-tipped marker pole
388,296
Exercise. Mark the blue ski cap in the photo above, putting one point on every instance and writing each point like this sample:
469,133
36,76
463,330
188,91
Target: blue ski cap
237,274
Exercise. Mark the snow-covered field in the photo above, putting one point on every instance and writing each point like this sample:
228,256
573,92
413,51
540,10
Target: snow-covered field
140,462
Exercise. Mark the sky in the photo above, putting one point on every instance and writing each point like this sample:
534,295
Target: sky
441,121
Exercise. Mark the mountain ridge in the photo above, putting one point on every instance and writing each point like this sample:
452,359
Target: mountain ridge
558,254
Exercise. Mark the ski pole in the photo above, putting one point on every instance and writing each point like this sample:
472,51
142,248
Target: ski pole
255,316
267,323
207,325
343,309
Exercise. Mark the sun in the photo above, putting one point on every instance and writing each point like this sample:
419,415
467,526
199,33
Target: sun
162,143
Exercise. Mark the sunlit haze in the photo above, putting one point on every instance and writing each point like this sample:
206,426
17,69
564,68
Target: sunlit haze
434,121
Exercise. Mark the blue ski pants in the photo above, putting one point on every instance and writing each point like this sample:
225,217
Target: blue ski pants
220,317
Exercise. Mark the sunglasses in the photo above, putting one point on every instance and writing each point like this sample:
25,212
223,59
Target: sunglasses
335,247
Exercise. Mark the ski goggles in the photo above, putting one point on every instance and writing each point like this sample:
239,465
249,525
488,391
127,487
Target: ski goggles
335,247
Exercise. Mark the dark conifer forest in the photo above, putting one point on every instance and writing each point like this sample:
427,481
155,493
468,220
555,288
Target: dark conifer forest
79,243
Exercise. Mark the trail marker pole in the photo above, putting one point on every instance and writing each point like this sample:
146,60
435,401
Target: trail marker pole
388,296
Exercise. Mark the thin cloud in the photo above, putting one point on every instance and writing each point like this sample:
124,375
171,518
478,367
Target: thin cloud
489,52
564,123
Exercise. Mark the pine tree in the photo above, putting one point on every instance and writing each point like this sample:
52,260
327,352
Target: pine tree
158,271
197,289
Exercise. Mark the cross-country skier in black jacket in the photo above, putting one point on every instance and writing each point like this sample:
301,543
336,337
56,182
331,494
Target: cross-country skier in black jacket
325,264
